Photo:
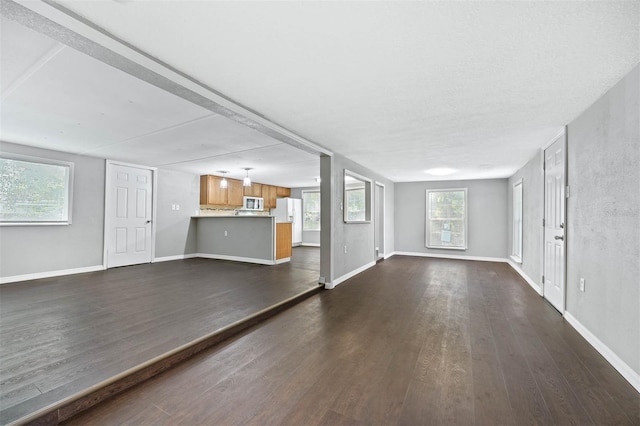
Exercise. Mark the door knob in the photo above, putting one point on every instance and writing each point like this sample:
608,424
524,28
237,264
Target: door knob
148,221
559,237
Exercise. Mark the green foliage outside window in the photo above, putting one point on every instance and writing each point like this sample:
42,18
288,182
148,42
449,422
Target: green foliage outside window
446,218
356,204
33,192
311,209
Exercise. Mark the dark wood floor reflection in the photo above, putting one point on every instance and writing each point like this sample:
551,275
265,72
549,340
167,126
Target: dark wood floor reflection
306,258
62,335
410,341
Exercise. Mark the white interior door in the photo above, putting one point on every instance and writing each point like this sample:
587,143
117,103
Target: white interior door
129,214
554,223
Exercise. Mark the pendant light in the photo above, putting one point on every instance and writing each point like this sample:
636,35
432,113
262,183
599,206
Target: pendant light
223,182
247,179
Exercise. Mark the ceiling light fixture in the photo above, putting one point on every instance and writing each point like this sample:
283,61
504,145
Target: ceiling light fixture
247,179
223,183
441,171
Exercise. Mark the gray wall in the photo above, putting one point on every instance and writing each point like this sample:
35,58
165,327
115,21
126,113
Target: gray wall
308,237
41,249
487,211
35,249
250,237
603,220
532,211
175,231
358,237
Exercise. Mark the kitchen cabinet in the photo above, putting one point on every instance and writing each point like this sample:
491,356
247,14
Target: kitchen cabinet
283,192
235,192
255,190
269,193
212,195
210,191
283,240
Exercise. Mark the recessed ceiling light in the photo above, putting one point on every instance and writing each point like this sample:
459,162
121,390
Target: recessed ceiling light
441,171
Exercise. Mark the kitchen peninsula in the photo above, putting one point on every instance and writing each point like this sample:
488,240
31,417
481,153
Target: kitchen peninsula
234,222
251,238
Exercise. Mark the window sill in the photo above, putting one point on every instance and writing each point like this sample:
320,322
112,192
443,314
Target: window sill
446,248
35,223
516,259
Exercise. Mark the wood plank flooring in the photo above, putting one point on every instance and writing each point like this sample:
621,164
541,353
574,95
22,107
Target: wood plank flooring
63,335
410,341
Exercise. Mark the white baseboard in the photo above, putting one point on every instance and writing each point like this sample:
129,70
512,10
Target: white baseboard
283,260
529,281
623,368
236,258
450,256
50,274
176,257
386,256
310,245
345,277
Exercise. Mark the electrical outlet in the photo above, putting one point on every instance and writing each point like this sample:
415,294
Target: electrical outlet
345,249
225,233
582,285
177,206
173,206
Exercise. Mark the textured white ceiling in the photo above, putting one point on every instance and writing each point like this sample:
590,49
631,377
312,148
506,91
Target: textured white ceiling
399,87
55,97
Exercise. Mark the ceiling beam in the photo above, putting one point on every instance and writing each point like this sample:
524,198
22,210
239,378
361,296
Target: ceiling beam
61,24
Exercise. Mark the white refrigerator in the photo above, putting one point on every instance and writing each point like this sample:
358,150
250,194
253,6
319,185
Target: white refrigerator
290,210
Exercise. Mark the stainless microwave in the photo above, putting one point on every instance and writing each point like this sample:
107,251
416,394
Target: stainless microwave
252,203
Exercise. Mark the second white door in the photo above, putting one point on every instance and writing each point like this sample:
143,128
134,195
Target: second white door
129,212
554,223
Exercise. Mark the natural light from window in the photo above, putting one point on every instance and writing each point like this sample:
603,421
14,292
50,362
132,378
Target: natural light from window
447,219
35,191
311,210
516,251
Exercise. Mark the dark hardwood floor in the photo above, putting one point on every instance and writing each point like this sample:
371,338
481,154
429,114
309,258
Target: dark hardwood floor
410,341
63,335
304,257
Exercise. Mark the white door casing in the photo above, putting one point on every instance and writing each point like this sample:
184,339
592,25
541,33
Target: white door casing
128,215
379,219
554,223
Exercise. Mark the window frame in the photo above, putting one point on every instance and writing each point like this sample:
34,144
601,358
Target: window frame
517,226
69,189
304,211
465,220
368,184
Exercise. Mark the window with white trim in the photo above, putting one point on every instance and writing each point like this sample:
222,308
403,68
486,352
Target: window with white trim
35,191
447,218
311,210
516,246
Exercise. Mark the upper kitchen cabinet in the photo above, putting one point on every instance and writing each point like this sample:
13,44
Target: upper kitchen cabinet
255,190
283,192
269,193
210,191
235,192
212,195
